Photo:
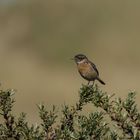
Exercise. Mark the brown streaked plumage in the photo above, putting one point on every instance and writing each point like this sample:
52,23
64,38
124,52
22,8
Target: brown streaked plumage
87,69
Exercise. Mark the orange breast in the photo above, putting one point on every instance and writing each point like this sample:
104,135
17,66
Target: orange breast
87,71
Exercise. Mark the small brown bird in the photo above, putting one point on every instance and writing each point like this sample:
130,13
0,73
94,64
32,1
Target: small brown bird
87,69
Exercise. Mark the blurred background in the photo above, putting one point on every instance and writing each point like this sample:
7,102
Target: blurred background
38,38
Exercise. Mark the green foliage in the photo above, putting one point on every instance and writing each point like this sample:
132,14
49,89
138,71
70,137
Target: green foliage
115,119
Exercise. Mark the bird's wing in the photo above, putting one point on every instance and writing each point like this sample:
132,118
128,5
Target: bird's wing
94,67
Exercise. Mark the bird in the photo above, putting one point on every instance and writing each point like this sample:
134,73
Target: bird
87,69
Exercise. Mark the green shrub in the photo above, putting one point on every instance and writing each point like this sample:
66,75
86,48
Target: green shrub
115,119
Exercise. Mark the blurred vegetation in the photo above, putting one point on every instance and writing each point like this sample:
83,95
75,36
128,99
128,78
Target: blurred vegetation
72,125
38,38
69,27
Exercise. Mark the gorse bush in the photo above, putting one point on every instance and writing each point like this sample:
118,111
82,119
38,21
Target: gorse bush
116,119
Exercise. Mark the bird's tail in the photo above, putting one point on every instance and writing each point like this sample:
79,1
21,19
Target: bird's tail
101,81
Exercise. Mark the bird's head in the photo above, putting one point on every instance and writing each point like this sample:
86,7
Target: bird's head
80,58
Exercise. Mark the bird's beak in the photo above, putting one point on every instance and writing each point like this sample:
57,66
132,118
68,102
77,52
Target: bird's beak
72,59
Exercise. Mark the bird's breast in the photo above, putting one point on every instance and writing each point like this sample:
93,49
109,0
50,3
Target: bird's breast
87,71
